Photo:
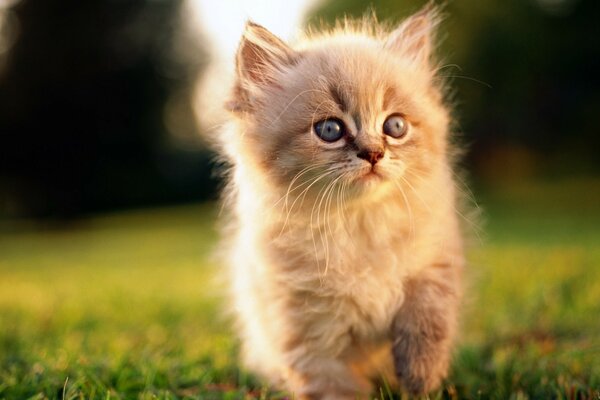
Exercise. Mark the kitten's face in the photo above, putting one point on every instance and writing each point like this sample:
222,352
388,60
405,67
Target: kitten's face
349,110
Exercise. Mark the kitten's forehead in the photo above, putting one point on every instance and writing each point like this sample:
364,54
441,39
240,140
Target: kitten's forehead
361,78
353,66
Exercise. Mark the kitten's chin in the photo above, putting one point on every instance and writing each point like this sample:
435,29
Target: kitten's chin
370,177
369,180
371,183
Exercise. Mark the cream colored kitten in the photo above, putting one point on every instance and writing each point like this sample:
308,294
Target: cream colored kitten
345,247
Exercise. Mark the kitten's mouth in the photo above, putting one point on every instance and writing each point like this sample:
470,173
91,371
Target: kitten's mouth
371,175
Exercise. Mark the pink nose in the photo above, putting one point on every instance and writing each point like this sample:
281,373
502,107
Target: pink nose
372,156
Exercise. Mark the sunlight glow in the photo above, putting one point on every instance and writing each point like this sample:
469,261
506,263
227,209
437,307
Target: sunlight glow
8,25
220,24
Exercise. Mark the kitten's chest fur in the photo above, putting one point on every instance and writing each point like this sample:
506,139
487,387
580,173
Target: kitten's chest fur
347,264
356,258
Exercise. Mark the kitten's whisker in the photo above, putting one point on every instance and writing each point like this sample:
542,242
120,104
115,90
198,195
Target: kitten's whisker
416,193
459,184
448,66
338,204
303,195
339,201
476,228
328,205
344,210
464,189
323,226
468,78
411,226
296,177
312,231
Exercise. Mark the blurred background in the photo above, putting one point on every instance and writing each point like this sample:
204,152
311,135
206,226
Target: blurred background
99,99
108,216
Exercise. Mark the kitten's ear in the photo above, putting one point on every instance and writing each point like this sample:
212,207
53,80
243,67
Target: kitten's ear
413,39
260,54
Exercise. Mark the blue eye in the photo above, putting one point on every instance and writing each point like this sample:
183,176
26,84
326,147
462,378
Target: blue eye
395,126
330,130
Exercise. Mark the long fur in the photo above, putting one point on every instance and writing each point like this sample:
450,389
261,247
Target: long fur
337,278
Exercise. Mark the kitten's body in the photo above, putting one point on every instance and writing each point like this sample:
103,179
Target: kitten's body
343,268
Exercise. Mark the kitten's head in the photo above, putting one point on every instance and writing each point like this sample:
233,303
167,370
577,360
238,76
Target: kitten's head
358,106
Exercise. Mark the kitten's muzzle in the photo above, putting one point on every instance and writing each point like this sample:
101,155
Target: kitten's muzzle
372,156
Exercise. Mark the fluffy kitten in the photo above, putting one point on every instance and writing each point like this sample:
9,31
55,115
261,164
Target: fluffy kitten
345,247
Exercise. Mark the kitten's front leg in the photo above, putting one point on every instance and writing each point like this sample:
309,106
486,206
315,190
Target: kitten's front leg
316,369
327,379
318,350
424,327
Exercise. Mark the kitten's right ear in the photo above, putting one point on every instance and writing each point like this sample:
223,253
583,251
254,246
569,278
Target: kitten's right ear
260,55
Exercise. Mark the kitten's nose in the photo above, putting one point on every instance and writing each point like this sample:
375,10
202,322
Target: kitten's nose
370,155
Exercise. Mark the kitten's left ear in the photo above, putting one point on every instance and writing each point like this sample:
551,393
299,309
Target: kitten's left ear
413,39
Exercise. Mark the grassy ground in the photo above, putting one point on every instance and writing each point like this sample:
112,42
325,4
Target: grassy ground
127,305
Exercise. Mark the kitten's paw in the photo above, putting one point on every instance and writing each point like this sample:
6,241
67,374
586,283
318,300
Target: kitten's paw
333,396
421,365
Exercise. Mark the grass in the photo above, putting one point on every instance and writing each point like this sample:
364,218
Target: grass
128,305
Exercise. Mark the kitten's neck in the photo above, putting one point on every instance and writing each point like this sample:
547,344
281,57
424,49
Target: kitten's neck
336,209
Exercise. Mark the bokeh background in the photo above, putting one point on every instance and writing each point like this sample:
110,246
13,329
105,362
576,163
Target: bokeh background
96,97
107,193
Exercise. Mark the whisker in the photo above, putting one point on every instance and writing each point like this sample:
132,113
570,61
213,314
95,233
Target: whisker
322,231
302,195
296,177
468,78
312,230
328,204
417,195
411,225
476,228
346,222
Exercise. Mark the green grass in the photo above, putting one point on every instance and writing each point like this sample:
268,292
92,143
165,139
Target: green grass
129,305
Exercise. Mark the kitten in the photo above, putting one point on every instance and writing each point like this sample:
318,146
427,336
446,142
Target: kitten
345,246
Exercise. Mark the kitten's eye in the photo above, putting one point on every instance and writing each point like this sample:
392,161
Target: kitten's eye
395,126
330,130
